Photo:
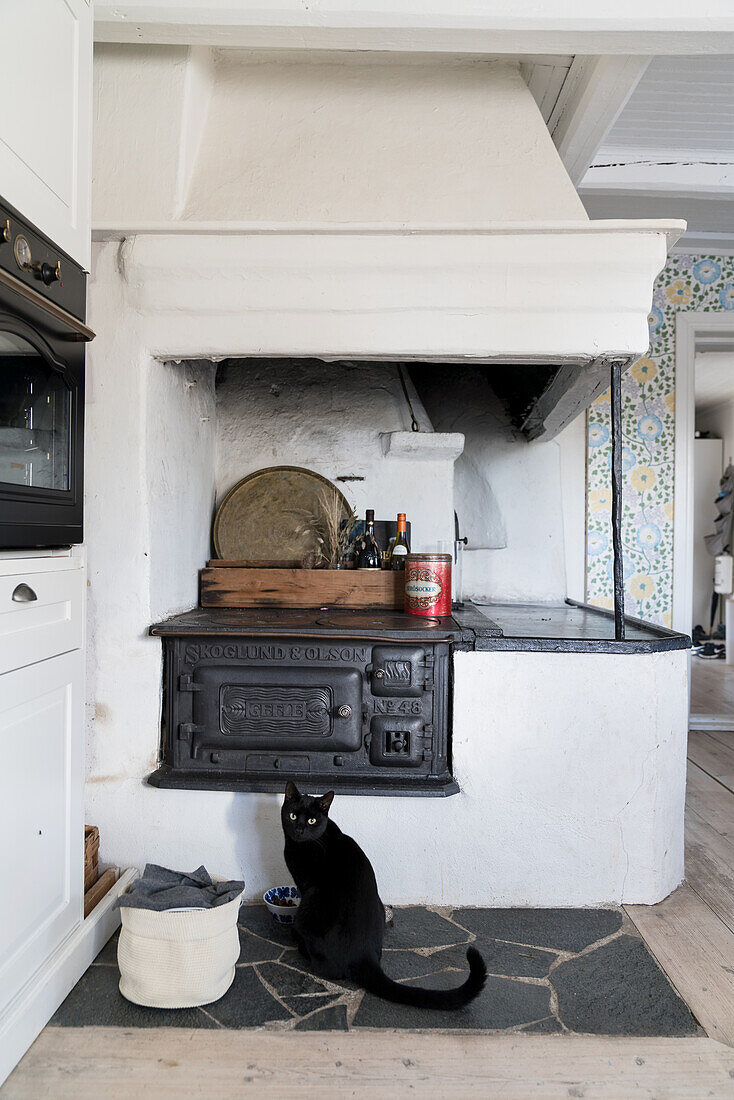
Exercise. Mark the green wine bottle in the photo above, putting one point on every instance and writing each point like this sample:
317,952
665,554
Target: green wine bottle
400,549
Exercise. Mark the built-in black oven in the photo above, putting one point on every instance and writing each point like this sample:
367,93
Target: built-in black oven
42,344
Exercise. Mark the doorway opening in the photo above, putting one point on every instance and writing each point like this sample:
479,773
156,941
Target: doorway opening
704,513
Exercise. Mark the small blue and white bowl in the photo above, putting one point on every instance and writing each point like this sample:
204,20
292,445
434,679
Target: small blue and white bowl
283,914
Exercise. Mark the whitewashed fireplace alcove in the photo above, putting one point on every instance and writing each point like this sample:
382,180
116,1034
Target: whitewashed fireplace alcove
374,208
570,765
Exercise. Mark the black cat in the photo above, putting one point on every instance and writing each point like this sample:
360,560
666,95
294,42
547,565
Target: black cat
340,922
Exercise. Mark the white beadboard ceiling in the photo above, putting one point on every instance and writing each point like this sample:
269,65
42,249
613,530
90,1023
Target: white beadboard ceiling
670,152
681,104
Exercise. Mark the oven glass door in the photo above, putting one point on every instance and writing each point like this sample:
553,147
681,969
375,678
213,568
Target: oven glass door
35,419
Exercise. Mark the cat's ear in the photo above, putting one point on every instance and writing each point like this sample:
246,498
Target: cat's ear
326,800
291,792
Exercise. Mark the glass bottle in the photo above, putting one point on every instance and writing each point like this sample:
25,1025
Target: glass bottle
369,553
400,549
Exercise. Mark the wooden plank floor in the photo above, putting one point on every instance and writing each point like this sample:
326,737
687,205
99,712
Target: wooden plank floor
712,687
691,934
710,823
714,754
177,1063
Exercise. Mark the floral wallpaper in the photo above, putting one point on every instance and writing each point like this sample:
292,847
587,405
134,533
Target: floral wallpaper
648,426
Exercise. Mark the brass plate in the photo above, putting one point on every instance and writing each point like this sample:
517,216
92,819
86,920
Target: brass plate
267,515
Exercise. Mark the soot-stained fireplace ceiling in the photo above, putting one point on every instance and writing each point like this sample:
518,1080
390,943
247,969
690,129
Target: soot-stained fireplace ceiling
518,388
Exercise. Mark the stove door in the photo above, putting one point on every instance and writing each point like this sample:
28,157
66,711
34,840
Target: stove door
399,671
399,742
249,707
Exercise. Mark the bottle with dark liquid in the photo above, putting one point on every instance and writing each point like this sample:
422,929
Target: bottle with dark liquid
400,548
369,552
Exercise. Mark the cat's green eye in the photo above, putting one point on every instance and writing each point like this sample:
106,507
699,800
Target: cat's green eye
312,820
293,817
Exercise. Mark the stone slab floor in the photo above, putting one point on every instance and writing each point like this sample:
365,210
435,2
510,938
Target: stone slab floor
551,970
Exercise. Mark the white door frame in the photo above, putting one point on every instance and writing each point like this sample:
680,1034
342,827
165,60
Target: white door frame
691,330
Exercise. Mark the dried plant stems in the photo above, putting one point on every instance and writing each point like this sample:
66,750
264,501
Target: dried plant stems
331,527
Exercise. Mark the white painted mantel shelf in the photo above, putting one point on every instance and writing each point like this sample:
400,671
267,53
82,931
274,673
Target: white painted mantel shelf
544,292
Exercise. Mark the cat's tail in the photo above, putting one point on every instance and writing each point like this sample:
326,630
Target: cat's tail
371,977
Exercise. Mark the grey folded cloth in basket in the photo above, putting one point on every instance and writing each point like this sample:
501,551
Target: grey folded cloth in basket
161,888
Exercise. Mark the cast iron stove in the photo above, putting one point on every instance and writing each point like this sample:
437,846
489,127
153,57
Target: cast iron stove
354,701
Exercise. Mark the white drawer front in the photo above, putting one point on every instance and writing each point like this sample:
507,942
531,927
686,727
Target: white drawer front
33,629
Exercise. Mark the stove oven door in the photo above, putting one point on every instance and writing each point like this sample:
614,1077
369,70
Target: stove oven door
244,709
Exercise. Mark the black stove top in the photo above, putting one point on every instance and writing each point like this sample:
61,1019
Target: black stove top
273,620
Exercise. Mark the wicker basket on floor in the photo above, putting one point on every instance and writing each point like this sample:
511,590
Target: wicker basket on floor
91,852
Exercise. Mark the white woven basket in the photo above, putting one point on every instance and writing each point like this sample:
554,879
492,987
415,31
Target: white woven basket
178,958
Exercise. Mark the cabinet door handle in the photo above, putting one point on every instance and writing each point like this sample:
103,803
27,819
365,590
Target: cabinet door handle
24,594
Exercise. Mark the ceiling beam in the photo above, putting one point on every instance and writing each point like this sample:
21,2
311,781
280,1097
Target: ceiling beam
574,387
593,95
444,26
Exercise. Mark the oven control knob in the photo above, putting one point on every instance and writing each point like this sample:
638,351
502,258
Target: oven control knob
48,273
5,234
344,711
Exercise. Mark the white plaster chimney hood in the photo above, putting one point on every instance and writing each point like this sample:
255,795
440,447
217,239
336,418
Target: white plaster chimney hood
356,206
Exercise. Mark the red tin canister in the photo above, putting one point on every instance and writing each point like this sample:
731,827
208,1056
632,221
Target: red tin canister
428,584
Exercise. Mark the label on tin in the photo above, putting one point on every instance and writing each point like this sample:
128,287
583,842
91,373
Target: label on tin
422,589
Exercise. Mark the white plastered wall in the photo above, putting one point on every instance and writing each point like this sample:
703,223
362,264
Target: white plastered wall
571,443
520,505
718,417
337,419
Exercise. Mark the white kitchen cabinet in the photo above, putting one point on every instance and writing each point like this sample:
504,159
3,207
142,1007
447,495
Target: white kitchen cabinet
45,123
45,942
41,809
